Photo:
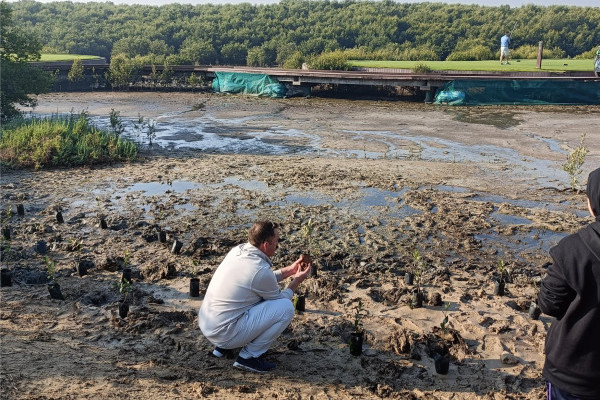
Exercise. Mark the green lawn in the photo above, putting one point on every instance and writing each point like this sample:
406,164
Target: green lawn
490,65
65,57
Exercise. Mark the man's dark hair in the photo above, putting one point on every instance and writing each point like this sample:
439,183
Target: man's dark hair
261,231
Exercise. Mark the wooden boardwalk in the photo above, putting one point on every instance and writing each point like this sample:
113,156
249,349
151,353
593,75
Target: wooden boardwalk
427,82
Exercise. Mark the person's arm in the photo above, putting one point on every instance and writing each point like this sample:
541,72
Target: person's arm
555,293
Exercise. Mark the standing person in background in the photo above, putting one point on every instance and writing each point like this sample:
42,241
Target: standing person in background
571,294
243,306
504,42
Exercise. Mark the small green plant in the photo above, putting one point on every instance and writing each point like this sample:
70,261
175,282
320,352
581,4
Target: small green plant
50,269
151,131
358,317
502,271
124,287
421,69
575,160
418,268
195,267
126,259
75,245
116,122
307,232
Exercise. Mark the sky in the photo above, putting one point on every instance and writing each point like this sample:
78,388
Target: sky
511,3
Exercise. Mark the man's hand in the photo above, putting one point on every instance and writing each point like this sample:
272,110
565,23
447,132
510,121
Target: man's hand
302,263
303,271
302,268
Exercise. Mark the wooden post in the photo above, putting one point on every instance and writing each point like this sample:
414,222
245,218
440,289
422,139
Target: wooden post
539,57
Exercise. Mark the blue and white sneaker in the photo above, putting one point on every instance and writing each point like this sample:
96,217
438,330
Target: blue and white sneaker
220,353
254,364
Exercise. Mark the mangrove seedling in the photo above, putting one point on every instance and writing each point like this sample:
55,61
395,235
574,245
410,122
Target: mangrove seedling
310,248
500,283
124,287
50,269
126,267
575,160
358,334
418,269
299,302
53,286
441,356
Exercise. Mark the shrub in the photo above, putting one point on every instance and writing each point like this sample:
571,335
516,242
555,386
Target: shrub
587,55
61,142
476,53
76,71
554,53
421,68
525,52
294,61
334,60
122,70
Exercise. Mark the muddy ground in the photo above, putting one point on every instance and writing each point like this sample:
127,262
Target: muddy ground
466,187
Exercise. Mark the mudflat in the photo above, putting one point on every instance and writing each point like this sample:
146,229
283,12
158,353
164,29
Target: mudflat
468,188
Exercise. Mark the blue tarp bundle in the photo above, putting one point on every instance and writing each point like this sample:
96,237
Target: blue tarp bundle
477,92
240,82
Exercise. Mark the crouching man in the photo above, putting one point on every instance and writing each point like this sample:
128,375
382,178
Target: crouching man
243,306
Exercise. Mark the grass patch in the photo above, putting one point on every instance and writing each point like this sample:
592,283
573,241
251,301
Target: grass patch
489,65
66,57
61,141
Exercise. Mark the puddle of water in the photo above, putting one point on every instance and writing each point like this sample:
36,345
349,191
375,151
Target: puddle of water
158,188
308,200
244,184
185,207
520,243
505,219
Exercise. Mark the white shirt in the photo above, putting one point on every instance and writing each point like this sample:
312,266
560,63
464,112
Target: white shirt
242,280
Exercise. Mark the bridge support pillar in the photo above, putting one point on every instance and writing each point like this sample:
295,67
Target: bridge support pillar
429,96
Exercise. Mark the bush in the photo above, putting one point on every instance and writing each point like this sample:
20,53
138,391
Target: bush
421,68
294,61
418,53
525,52
554,53
476,53
393,53
334,60
61,142
587,55
123,70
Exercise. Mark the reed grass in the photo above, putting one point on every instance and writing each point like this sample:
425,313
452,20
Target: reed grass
60,141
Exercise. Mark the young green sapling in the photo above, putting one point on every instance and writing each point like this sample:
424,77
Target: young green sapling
358,333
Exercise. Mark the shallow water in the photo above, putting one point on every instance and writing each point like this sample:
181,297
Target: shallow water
260,134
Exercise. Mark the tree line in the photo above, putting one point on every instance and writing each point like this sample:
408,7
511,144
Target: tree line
295,31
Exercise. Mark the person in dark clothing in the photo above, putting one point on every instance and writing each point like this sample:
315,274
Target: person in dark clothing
571,293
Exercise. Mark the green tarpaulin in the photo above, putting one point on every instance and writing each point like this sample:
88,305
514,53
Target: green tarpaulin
479,92
257,84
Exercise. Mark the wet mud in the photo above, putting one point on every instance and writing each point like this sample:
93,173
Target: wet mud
379,180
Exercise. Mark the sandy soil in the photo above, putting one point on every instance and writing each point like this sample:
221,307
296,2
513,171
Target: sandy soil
369,213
